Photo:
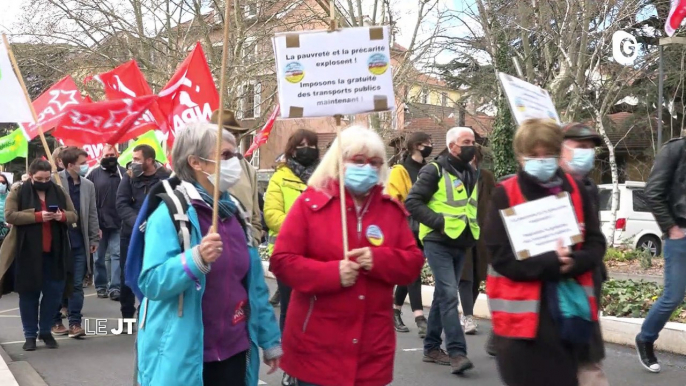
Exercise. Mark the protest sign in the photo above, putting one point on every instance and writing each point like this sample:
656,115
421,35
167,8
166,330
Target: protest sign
323,73
537,226
13,106
527,101
149,138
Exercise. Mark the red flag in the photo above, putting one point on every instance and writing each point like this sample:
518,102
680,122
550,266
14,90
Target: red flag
190,95
262,137
677,13
94,151
52,105
103,122
127,81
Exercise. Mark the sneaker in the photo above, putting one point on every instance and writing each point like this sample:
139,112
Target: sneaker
49,341
460,364
102,293
76,331
421,325
287,380
437,356
490,345
646,354
469,325
398,321
59,329
30,344
114,295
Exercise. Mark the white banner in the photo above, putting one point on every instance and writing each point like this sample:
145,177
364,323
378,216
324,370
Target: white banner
322,73
527,101
13,105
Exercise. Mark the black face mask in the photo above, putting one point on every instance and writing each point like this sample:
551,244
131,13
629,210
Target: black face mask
109,163
59,168
306,156
426,151
42,186
467,153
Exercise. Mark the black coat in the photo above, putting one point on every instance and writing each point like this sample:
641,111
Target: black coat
665,189
131,194
546,360
106,185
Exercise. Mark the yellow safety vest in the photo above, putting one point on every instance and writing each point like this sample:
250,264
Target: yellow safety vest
458,209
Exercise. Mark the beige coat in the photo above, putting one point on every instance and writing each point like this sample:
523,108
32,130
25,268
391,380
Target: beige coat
246,192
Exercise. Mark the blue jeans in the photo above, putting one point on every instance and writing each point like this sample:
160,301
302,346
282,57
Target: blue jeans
31,304
673,295
446,264
107,277
75,301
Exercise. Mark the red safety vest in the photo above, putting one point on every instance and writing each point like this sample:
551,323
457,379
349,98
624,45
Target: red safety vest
515,304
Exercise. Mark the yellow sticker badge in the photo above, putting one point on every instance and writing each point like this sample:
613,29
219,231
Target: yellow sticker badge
378,64
374,235
294,72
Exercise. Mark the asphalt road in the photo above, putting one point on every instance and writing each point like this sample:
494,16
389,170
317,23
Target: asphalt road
108,360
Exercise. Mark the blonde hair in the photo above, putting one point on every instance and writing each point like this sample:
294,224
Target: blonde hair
354,140
533,133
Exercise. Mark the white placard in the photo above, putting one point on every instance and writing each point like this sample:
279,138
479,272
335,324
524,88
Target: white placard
537,226
527,101
322,73
13,104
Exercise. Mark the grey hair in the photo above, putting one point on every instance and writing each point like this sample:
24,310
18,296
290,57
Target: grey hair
453,134
195,139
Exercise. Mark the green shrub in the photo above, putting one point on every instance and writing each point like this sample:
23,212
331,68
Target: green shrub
614,254
633,299
264,252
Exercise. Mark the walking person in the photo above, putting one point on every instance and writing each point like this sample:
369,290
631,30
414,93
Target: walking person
444,201
476,259
38,243
339,328
83,238
665,194
286,185
4,191
135,184
539,334
577,159
205,313
400,180
106,177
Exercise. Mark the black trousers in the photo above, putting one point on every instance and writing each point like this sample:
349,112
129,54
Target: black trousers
126,297
285,292
415,291
229,372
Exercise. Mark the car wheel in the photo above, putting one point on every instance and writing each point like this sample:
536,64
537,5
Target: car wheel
651,243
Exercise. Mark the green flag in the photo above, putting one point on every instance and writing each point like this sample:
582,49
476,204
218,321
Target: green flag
12,146
148,138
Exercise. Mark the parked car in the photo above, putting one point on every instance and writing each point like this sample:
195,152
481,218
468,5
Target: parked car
635,227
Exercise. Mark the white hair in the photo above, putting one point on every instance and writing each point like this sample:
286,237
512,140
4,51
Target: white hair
453,134
355,140
198,139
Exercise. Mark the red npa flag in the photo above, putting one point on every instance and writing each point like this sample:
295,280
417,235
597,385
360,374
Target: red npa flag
127,81
103,122
677,13
263,135
52,105
190,95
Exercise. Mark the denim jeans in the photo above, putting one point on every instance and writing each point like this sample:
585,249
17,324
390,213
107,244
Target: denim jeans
75,301
446,264
31,304
673,295
106,276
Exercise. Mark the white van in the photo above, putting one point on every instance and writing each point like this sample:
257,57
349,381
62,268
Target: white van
635,227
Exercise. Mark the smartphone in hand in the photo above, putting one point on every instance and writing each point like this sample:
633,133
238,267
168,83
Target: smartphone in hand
53,208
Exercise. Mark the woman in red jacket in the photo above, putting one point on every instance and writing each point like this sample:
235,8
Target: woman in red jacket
339,329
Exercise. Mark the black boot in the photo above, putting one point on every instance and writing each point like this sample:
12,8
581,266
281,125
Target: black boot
276,299
398,321
30,344
490,344
422,325
49,341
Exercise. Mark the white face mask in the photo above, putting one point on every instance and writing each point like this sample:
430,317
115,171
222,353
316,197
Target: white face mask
229,175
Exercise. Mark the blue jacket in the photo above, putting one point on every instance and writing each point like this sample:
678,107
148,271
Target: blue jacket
170,347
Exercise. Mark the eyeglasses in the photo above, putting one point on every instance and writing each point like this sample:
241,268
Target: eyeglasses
227,155
375,162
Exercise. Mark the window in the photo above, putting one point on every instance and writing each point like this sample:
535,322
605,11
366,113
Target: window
444,99
424,96
606,198
250,10
250,100
639,201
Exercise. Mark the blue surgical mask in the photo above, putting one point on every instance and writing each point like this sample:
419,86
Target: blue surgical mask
543,169
3,188
582,161
360,178
83,170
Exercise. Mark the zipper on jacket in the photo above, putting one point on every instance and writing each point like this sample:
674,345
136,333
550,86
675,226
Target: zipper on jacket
309,312
359,219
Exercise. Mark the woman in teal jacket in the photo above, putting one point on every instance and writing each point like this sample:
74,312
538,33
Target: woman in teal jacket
214,285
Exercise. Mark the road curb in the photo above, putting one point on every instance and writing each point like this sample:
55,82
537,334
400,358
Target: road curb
6,375
615,330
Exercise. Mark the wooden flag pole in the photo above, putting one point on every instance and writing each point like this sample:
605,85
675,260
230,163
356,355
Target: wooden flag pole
33,112
220,120
333,25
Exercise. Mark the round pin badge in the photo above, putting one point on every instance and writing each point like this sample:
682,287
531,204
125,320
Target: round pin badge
374,235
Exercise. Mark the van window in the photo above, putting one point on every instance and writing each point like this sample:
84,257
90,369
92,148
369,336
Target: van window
606,198
639,201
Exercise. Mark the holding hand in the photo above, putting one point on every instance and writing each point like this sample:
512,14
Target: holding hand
564,255
349,271
363,256
273,364
675,233
211,247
